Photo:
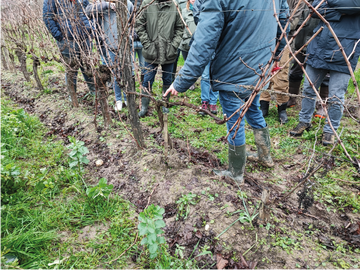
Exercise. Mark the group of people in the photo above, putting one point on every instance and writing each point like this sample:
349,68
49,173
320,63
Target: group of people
224,42
97,21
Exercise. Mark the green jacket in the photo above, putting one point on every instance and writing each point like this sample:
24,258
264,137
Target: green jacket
160,30
189,20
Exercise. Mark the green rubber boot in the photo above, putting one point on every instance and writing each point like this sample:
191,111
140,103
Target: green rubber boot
165,88
237,160
144,104
263,144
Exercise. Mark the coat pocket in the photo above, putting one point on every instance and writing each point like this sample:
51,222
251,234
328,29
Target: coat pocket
171,52
150,52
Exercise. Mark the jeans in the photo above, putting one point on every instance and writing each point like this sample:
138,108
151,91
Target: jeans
70,52
109,58
338,84
150,73
231,102
206,93
138,50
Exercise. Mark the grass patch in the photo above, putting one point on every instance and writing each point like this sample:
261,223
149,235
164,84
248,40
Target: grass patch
48,220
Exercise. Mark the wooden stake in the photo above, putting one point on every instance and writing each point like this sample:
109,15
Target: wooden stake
166,135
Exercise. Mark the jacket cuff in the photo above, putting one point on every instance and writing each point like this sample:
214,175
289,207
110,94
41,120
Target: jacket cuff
182,84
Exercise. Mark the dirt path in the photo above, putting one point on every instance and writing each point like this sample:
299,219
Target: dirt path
290,239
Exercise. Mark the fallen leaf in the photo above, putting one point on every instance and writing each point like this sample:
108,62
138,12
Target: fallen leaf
221,262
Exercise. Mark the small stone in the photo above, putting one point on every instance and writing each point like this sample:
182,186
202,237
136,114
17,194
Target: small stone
207,227
99,163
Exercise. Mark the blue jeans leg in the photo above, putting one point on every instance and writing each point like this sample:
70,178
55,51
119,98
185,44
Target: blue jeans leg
70,50
113,62
338,84
230,102
205,84
149,75
213,97
141,60
151,70
308,104
167,73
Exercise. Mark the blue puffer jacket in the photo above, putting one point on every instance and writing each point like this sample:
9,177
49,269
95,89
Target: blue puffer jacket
344,18
67,19
231,29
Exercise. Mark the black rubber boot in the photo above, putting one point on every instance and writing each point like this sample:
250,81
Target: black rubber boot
294,88
144,104
324,91
237,161
264,107
167,98
282,113
263,145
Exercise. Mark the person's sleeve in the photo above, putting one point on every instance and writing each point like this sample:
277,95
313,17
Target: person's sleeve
140,27
207,36
130,10
179,30
98,7
326,11
297,15
196,11
283,17
49,12
348,7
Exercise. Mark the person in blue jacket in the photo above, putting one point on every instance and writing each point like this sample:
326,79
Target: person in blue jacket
68,24
324,56
234,29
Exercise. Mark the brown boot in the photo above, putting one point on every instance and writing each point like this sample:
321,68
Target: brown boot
299,129
294,88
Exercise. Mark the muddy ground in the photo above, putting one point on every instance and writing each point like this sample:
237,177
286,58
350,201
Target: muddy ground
292,238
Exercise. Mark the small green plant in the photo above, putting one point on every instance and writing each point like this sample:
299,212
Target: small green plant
151,222
101,189
286,243
9,182
77,154
184,205
244,215
179,251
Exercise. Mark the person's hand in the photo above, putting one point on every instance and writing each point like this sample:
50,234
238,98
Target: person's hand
112,6
171,90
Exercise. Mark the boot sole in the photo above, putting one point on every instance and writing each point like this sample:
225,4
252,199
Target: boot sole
299,134
327,144
319,116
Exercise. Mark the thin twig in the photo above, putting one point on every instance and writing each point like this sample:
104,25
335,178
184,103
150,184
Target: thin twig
137,233
151,195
